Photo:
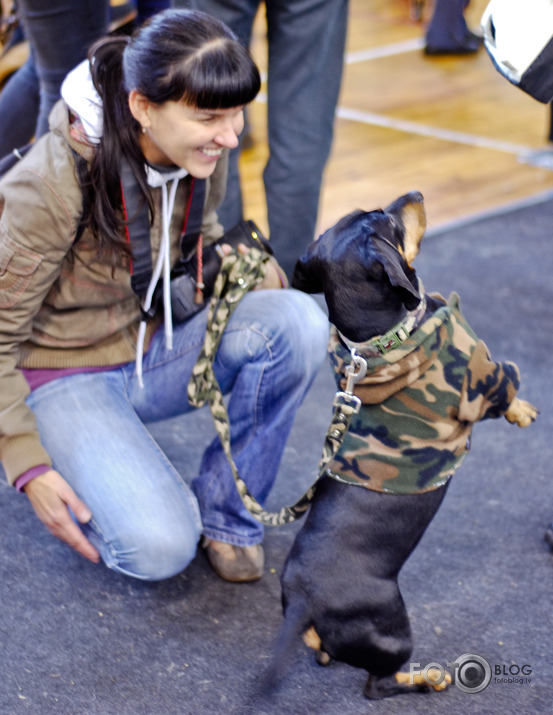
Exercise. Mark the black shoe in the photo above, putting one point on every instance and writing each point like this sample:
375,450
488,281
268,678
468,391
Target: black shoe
548,536
470,45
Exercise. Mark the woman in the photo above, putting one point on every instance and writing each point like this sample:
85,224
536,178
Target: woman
168,105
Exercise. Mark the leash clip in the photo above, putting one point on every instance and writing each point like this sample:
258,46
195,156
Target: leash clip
352,377
354,372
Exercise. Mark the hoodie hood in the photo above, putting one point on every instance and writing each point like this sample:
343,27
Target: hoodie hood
390,373
420,402
80,95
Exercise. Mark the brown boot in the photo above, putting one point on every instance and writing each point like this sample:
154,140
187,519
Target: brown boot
235,563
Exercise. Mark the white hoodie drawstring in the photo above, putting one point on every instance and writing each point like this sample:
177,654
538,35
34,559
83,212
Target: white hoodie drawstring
163,263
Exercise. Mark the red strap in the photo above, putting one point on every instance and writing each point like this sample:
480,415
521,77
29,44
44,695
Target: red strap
127,234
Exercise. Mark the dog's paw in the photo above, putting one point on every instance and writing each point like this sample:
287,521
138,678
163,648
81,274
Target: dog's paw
312,640
521,413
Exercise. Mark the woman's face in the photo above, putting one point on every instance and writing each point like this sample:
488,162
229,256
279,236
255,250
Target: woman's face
188,137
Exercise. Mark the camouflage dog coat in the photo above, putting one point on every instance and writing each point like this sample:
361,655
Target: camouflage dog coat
419,402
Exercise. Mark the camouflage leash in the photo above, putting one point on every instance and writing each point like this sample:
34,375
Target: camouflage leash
240,273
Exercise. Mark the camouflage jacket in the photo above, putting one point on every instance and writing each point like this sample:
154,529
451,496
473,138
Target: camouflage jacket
419,402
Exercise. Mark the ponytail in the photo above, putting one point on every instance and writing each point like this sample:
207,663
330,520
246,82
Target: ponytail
119,141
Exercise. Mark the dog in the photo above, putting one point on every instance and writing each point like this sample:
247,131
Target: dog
428,380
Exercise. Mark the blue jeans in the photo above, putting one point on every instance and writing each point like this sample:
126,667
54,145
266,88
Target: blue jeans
60,33
146,521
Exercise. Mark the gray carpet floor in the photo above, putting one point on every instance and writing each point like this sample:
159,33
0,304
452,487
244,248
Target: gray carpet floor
78,639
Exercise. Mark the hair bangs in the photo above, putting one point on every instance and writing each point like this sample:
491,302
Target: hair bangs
221,76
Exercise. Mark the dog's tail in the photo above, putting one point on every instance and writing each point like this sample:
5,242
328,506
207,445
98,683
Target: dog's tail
295,623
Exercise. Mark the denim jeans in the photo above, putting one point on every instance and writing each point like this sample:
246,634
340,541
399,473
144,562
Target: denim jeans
146,521
60,33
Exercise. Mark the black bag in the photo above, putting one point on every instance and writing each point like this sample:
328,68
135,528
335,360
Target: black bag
184,301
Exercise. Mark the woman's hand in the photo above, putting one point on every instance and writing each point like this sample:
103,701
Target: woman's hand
51,496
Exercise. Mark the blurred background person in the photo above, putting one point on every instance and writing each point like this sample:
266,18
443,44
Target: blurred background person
306,44
447,32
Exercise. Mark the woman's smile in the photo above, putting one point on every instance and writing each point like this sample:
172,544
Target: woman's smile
176,134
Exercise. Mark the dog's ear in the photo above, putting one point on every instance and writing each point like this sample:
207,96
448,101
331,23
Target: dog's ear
414,231
306,277
409,209
398,271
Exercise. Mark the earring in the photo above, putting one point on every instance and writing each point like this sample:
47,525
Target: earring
143,130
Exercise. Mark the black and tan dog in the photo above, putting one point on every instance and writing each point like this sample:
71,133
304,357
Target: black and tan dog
428,380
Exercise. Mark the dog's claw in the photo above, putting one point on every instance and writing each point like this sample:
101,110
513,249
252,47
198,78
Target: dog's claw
521,413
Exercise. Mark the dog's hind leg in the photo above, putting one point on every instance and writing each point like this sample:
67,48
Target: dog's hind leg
433,678
312,640
402,683
380,688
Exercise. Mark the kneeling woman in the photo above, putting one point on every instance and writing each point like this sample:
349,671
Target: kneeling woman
164,107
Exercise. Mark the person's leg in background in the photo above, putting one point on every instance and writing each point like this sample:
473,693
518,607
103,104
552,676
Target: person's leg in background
60,33
306,53
147,8
306,40
239,15
447,32
19,103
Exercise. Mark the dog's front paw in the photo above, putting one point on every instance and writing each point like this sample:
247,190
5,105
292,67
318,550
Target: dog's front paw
521,413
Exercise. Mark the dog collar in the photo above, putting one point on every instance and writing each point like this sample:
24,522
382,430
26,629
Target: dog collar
382,344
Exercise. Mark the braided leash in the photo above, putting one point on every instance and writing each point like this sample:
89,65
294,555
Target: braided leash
240,273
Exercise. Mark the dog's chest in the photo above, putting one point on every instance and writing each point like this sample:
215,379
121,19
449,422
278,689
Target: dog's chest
419,405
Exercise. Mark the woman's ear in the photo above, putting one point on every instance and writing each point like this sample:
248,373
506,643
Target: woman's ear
139,106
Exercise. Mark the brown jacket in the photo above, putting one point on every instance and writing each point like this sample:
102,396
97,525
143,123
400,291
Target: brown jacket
59,305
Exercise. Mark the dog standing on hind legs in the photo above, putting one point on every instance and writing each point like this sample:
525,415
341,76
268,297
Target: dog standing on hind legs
428,380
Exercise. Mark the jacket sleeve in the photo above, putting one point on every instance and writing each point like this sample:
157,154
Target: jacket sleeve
36,232
488,387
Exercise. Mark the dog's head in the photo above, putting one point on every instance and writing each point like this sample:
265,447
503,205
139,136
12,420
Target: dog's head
362,265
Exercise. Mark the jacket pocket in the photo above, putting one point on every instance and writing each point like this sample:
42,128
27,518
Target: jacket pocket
17,266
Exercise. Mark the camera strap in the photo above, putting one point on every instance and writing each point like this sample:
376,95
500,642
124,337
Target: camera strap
138,227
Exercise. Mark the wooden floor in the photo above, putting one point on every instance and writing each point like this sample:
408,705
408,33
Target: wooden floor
451,127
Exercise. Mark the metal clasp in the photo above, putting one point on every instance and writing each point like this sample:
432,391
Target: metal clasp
354,372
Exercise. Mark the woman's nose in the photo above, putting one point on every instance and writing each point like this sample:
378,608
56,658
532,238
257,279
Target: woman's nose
229,132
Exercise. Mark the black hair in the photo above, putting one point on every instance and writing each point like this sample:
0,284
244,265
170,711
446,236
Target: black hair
178,55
